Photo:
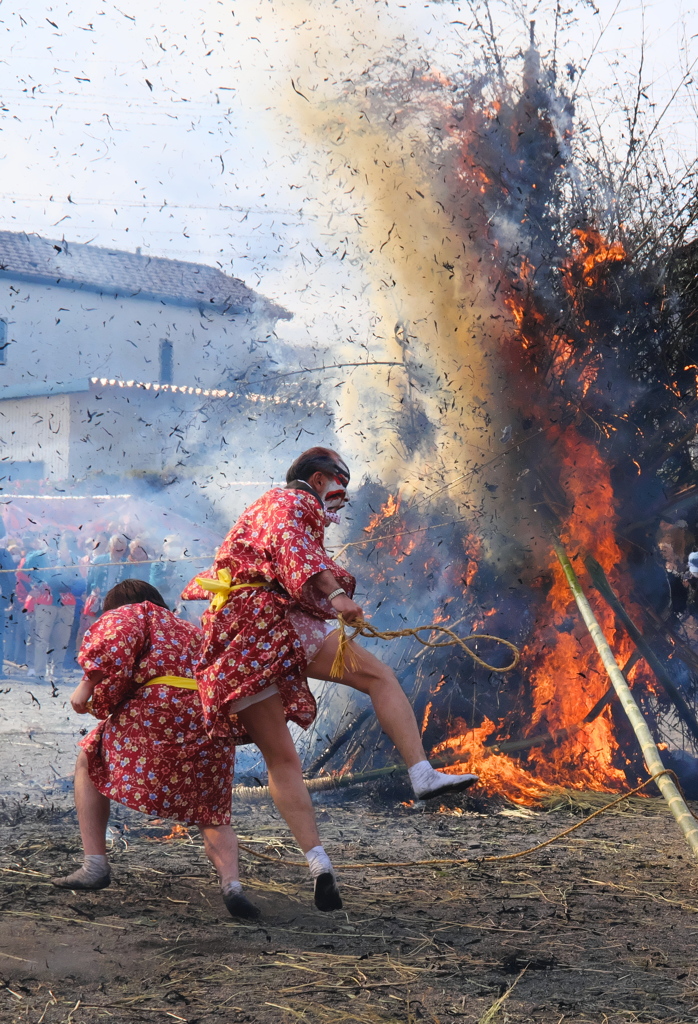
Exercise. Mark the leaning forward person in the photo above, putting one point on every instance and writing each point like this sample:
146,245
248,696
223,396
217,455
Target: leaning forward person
151,751
272,623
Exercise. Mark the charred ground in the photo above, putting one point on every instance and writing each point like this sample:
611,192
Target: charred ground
598,927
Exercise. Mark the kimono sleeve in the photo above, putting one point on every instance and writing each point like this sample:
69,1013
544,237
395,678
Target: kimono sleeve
112,646
296,540
194,592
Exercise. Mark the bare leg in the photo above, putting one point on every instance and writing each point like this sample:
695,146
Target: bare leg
221,846
395,714
393,709
267,727
92,808
266,724
93,815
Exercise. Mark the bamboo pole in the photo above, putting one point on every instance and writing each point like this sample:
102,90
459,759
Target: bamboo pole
600,581
677,805
327,782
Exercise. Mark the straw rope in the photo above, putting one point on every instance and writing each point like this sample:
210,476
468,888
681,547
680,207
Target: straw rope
360,865
345,655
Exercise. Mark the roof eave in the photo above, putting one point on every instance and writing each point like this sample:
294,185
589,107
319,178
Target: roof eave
250,302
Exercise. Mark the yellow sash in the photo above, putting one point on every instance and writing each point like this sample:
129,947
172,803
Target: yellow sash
222,588
181,681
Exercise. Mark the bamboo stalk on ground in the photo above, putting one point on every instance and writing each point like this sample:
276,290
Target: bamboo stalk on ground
326,782
677,805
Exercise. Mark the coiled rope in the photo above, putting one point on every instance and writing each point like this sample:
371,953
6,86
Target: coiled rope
360,865
345,655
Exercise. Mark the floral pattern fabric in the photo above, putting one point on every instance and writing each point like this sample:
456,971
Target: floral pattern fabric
252,641
152,753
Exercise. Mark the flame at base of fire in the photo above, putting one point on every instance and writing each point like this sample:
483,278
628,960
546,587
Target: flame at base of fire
499,774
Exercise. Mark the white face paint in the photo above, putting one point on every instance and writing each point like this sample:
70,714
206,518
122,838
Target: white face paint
334,492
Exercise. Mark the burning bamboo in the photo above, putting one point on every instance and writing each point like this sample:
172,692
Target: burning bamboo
601,583
560,735
677,805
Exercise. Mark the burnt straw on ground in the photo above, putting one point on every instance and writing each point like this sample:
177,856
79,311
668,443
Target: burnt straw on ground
600,927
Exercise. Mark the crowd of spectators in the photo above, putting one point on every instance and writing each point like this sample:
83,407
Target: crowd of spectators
52,586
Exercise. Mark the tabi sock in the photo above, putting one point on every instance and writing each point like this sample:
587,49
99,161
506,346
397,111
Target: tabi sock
318,862
94,874
428,783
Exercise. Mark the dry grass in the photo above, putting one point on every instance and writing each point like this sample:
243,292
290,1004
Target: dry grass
600,927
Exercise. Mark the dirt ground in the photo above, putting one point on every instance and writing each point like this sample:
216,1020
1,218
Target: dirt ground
600,927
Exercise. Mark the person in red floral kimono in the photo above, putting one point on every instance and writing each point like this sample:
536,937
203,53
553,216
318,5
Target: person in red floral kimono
271,624
150,751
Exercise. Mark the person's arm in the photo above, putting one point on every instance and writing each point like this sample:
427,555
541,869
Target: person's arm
326,583
82,693
299,560
110,650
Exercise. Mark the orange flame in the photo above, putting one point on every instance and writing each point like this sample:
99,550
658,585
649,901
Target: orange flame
178,832
498,772
591,257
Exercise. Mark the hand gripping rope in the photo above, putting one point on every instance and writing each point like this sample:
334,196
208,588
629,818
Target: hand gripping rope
345,655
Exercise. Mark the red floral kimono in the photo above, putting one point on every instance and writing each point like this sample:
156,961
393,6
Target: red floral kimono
152,753
257,638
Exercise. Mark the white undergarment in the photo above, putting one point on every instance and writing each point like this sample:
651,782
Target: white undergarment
246,702
312,632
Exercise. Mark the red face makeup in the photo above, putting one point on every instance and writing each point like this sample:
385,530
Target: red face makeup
336,496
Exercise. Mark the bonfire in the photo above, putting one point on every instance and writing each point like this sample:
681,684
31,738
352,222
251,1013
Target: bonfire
540,378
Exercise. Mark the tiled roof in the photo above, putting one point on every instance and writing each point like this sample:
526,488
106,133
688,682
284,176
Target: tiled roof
126,274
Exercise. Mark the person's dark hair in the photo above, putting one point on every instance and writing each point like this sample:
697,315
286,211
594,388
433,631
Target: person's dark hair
132,592
322,459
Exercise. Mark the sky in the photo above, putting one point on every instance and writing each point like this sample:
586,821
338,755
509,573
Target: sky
175,128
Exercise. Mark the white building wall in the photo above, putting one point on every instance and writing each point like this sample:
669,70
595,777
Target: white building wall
59,334
94,432
120,432
36,430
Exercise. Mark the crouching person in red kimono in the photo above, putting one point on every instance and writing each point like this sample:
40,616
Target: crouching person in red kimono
151,751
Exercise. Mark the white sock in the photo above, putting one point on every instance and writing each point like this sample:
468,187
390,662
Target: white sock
422,777
318,861
426,779
230,886
94,867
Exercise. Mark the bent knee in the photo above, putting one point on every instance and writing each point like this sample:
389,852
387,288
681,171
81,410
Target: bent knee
376,673
82,764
